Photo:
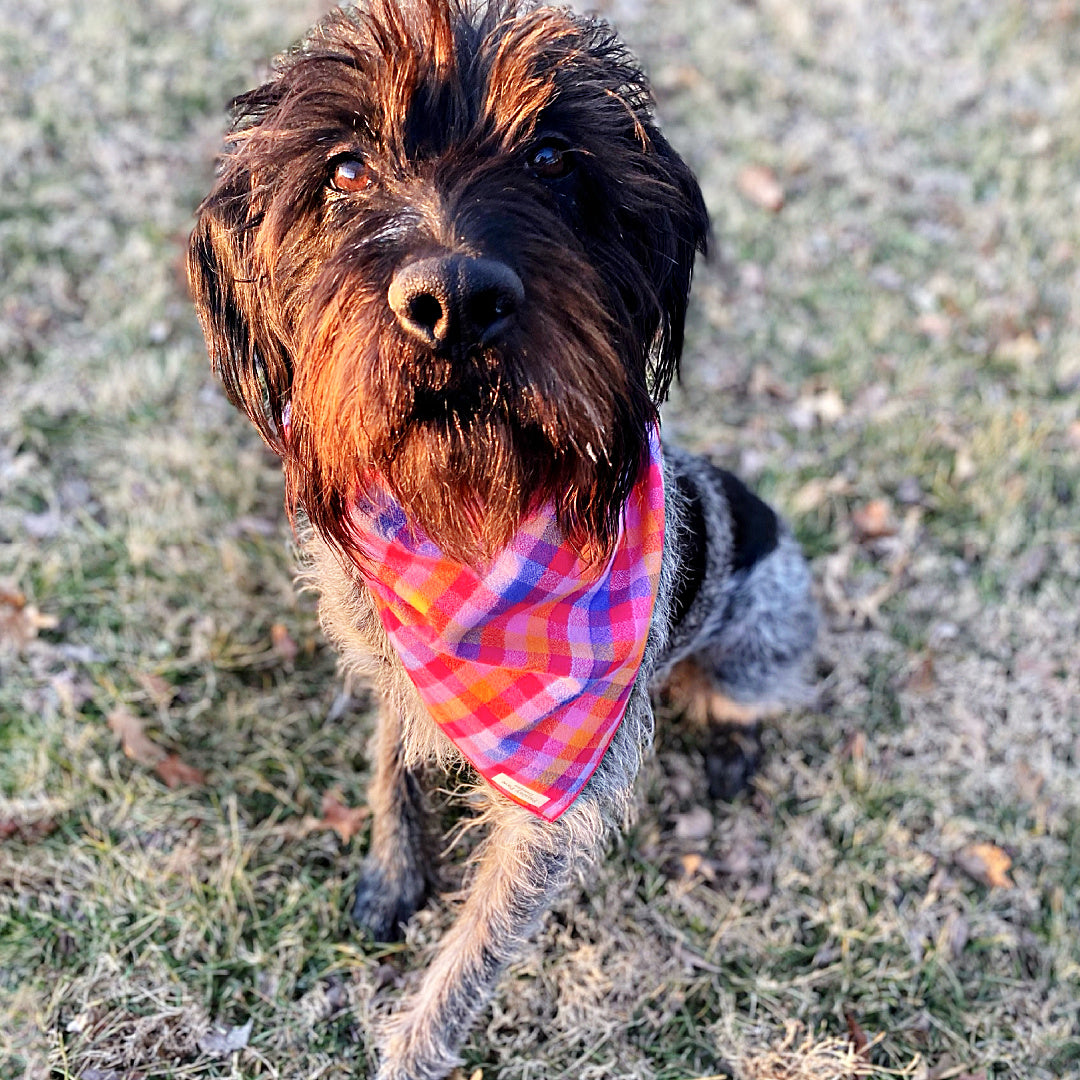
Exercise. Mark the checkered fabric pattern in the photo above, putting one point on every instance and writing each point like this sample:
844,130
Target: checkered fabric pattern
527,666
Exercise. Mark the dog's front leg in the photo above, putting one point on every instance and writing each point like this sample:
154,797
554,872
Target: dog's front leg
394,876
524,864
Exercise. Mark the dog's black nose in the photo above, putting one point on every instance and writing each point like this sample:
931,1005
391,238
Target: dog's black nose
455,299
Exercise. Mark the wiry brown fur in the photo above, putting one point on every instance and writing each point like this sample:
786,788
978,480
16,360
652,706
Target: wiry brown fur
443,103
566,289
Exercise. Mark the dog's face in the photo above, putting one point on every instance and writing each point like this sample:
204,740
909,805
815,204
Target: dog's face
450,251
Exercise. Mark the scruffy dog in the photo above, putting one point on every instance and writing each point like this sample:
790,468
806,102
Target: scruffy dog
444,270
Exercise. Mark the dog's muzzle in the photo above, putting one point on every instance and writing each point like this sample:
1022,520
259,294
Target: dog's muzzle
455,300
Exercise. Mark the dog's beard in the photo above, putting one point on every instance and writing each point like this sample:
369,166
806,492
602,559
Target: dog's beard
470,443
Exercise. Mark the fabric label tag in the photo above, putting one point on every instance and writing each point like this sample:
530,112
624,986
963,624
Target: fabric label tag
519,790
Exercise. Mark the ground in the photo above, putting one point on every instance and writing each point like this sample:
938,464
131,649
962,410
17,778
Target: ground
885,341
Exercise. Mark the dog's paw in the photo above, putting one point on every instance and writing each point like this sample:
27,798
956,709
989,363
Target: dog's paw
729,732
414,1046
382,903
731,759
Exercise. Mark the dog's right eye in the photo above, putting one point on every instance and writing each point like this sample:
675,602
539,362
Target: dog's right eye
350,174
550,159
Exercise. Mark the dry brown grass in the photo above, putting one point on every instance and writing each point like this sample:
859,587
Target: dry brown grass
893,357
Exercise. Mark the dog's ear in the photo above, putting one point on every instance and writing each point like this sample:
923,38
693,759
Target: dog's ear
246,350
677,229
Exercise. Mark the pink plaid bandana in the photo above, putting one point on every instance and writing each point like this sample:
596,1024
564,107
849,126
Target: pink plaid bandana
527,666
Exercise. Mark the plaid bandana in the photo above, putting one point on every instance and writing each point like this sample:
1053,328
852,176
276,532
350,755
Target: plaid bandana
527,665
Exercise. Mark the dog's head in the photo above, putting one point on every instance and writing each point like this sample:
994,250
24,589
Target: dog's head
449,251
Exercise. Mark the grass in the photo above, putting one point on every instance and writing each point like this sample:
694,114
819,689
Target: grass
904,329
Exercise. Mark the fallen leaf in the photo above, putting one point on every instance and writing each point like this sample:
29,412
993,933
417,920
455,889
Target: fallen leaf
136,744
855,746
161,691
764,382
759,184
822,407
177,773
677,78
693,866
20,621
810,496
11,598
695,824
27,831
865,609
855,1032
344,820
1022,350
987,864
923,678
283,643
814,493
873,520
219,1042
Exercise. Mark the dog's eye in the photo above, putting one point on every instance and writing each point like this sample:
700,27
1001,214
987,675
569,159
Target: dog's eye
350,175
550,160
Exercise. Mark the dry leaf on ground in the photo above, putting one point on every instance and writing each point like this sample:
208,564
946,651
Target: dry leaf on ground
864,609
346,821
161,691
695,824
923,677
824,407
283,643
20,621
30,819
178,773
987,864
873,520
136,744
220,1042
855,1032
26,831
1022,350
759,184
693,866
816,492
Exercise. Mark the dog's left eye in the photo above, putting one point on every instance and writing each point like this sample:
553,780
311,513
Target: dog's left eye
550,160
350,175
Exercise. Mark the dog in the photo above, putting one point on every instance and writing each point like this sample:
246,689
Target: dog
444,269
